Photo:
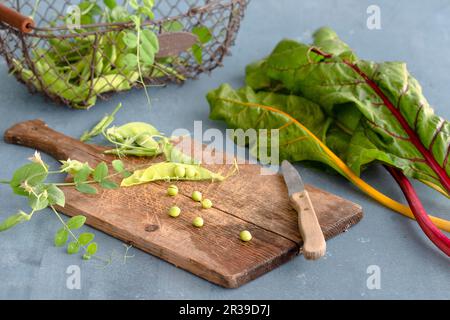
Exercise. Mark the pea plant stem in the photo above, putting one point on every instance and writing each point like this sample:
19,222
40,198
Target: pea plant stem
138,55
65,225
74,236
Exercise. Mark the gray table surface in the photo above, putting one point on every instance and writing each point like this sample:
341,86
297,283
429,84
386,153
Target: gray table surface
417,32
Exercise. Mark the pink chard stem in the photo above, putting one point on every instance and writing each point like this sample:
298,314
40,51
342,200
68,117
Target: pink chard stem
412,135
432,232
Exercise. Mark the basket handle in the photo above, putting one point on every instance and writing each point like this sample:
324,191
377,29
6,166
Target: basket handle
15,19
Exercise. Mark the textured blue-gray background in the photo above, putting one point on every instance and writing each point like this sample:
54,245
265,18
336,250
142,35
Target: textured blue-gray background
417,32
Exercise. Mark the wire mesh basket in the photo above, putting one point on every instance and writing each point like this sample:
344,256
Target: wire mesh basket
103,52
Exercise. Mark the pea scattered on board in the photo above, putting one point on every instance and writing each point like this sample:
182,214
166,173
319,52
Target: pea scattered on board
245,236
172,190
207,204
174,212
197,196
198,222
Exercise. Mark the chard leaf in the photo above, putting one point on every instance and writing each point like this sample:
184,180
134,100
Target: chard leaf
245,110
379,105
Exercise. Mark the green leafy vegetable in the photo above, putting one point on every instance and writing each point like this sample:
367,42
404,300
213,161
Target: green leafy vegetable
361,125
204,36
322,97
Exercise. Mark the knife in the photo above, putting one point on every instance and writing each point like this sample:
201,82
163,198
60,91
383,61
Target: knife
314,245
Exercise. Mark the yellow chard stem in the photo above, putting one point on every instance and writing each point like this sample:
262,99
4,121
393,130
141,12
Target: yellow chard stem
351,176
371,191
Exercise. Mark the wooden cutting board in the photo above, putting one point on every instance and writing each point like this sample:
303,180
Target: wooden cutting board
247,201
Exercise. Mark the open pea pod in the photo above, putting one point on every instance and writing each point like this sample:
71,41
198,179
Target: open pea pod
167,171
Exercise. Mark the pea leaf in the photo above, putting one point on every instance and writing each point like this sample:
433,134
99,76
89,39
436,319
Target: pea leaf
76,222
111,4
107,184
149,46
86,188
85,238
61,237
73,247
32,173
83,174
203,33
197,51
127,62
92,248
100,172
172,26
13,220
118,166
149,3
130,39
119,14
38,202
55,196
147,12
134,4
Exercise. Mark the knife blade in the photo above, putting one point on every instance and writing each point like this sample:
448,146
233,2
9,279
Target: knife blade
292,178
314,245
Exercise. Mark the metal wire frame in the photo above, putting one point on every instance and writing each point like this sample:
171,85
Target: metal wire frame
222,17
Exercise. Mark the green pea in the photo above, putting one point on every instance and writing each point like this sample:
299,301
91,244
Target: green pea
198,222
197,196
207,204
191,172
166,171
174,212
172,190
245,236
180,171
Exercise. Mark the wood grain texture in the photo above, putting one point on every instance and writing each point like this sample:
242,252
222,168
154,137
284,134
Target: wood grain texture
252,201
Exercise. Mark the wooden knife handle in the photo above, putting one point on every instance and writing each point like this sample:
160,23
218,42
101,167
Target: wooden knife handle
314,245
37,135
15,19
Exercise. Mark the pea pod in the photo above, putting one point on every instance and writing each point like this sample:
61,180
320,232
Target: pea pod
174,154
110,82
131,152
132,130
101,125
98,63
147,141
166,171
